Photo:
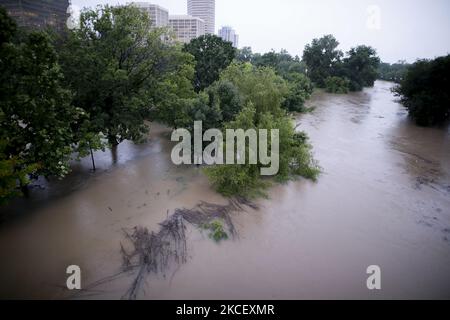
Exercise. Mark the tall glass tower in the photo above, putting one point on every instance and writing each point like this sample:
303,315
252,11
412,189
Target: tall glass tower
205,10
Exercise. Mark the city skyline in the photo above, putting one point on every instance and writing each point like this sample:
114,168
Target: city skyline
227,33
205,10
186,27
409,29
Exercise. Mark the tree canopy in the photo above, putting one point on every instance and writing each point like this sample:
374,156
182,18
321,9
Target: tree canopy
114,63
424,91
212,55
321,58
392,72
36,114
360,67
263,94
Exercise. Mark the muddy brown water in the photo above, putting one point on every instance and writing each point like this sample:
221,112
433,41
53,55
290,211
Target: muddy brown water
383,199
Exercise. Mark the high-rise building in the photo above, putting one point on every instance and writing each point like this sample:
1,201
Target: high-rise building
228,34
159,16
33,14
186,27
205,10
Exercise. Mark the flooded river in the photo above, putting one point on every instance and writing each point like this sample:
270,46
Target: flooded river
383,199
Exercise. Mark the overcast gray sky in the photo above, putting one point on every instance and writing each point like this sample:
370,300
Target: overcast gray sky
398,29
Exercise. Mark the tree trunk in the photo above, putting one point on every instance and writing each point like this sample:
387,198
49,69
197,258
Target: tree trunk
25,190
92,158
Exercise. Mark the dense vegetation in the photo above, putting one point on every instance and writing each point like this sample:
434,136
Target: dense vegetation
102,83
263,93
337,85
36,114
325,62
212,55
425,91
392,72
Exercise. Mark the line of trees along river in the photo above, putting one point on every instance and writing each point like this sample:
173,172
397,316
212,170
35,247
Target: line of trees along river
97,85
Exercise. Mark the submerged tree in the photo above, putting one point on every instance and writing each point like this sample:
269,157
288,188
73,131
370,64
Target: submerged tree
300,89
263,93
393,72
360,67
212,55
337,85
424,91
36,116
321,58
113,63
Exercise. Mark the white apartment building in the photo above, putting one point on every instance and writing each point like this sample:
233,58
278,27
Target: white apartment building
159,16
186,27
228,34
205,10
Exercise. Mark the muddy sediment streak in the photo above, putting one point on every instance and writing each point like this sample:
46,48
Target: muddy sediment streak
146,252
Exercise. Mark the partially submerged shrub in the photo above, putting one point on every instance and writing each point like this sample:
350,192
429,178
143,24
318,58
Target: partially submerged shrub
216,230
424,91
337,85
300,90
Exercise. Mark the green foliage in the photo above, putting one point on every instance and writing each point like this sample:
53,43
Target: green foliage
321,58
175,91
393,72
263,93
324,61
424,91
224,94
116,63
36,114
212,55
244,55
216,231
360,66
200,108
36,117
258,85
14,173
300,90
337,85
282,62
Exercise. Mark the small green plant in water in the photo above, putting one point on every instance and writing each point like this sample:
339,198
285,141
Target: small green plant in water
216,230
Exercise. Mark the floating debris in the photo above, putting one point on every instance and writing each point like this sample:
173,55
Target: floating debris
145,252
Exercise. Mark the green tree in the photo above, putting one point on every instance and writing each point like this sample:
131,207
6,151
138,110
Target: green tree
172,94
200,108
244,55
393,72
114,63
258,85
321,58
36,116
282,62
263,94
300,90
337,85
360,66
212,55
424,91
227,97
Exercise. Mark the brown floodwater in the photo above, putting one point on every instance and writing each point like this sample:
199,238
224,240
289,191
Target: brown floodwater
383,199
